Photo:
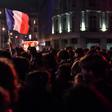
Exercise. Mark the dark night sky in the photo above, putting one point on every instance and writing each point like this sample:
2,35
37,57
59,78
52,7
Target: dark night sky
46,12
23,4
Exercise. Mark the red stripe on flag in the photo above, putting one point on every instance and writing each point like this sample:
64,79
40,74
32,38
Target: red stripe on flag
25,24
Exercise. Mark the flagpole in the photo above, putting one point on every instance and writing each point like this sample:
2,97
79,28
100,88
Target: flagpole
9,43
9,36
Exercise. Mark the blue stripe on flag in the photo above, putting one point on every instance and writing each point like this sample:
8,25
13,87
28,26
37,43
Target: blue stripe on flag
9,19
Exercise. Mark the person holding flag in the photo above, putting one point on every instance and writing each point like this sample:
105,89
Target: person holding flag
16,21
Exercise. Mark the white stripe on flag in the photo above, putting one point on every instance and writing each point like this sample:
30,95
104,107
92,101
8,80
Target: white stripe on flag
17,19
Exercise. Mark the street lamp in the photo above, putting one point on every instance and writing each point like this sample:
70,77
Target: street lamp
3,29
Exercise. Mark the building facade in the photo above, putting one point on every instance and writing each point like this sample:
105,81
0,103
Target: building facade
82,23
34,26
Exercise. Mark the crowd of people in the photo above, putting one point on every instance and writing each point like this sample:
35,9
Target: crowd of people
68,80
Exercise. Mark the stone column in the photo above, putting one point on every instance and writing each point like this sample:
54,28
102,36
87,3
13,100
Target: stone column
59,24
53,31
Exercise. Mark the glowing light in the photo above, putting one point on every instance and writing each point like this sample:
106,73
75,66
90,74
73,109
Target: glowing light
0,12
3,29
52,28
16,37
26,44
11,33
83,28
68,27
42,43
103,27
68,22
34,22
30,37
60,28
37,48
59,22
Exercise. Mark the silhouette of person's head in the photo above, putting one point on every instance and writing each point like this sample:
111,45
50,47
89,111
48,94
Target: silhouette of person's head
8,77
93,66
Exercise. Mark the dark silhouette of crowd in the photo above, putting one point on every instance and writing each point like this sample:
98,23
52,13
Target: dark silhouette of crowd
54,80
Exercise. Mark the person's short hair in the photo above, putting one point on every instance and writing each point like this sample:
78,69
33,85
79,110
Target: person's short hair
96,63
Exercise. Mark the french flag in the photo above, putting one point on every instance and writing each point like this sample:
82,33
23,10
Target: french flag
17,20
